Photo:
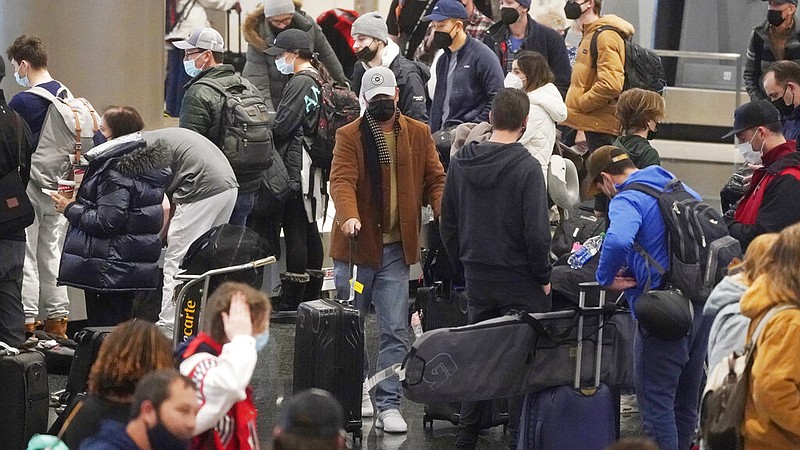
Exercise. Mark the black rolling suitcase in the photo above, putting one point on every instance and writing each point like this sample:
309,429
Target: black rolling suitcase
446,311
24,396
89,340
329,355
574,416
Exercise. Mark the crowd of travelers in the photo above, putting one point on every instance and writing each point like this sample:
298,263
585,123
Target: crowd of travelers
508,94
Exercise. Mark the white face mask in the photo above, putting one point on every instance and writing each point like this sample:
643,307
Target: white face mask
513,81
749,154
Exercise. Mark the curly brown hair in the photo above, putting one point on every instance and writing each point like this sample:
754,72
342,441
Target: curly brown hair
133,350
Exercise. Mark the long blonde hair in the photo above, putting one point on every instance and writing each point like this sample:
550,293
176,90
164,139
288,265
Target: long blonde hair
757,258
783,272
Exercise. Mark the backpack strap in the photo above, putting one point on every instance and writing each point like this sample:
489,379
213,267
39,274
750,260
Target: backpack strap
314,75
593,46
763,322
67,95
648,258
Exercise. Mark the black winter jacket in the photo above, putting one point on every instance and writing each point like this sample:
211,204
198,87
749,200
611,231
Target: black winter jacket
12,129
411,78
203,108
113,241
541,39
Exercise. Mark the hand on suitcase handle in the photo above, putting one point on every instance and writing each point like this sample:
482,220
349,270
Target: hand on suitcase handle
351,227
237,320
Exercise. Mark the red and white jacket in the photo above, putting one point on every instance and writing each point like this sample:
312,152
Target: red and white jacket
227,416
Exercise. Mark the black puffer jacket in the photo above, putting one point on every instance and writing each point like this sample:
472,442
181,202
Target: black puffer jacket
260,68
112,242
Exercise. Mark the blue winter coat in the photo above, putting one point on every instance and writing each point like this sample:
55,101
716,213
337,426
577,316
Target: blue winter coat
635,216
113,241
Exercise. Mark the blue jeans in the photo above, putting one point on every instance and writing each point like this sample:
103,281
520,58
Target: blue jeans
176,79
386,287
668,376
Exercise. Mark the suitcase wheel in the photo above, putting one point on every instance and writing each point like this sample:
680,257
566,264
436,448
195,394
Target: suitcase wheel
427,421
357,438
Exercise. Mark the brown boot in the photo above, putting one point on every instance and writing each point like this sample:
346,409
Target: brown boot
31,327
57,327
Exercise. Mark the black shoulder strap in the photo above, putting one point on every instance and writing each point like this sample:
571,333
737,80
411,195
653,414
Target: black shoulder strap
593,45
641,187
759,47
313,74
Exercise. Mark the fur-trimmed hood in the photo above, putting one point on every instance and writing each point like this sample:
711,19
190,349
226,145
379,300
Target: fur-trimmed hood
131,156
258,34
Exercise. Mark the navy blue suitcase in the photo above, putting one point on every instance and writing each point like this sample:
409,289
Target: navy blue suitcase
572,417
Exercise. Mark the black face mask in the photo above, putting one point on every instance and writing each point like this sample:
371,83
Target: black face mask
782,107
381,109
573,10
162,439
774,17
442,39
651,134
366,54
509,15
98,138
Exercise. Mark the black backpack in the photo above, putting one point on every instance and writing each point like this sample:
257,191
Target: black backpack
700,247
246,138
643,67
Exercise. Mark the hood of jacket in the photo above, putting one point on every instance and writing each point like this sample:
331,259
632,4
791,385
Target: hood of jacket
130,155
654,176
549,99
610,20
257,32
112,435
728,291
483,164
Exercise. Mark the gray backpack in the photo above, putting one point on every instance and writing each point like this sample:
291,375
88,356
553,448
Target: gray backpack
67,130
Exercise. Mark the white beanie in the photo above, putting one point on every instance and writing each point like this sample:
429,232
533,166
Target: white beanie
274,8
372,25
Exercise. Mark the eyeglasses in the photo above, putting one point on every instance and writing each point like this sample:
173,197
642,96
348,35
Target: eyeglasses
277,22
190,54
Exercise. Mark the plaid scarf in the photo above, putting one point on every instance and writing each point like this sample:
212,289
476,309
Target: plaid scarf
380,140
376,152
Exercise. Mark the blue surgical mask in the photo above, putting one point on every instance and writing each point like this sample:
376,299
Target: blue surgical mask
22,81
284,67
99,138
190,69
261,340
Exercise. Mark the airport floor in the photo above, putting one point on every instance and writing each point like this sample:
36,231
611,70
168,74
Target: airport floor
273,380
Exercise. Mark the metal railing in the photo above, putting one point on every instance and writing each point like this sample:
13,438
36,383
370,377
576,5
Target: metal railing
715,56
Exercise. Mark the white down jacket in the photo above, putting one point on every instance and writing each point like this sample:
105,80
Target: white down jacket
547,109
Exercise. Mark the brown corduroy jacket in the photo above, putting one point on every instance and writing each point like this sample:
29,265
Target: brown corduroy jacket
420,181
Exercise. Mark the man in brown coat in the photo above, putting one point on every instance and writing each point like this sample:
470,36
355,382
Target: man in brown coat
385,168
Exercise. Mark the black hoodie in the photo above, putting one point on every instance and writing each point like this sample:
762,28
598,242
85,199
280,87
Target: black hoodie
494,221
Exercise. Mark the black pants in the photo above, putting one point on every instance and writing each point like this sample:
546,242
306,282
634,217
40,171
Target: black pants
487,300
107,309
12,316
303,242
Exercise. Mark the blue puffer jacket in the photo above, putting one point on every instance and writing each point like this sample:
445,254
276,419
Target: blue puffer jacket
112,242
635,216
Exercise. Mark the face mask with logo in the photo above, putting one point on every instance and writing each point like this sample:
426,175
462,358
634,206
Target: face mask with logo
190,69
775,17
573,10
366,54
261,340
162,439
22,81
284,67
513,81
509,15
381,109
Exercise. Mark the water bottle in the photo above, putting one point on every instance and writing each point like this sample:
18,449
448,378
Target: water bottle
589,248
416,324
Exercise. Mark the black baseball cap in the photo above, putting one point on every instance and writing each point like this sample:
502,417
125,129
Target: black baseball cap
754,114
288,40
312,413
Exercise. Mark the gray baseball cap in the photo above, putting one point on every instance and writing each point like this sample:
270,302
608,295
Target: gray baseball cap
203,38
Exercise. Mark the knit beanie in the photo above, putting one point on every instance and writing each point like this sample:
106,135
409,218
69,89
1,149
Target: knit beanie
372,25
274,8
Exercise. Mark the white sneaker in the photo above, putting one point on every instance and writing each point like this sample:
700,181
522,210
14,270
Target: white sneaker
391,421
366,403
